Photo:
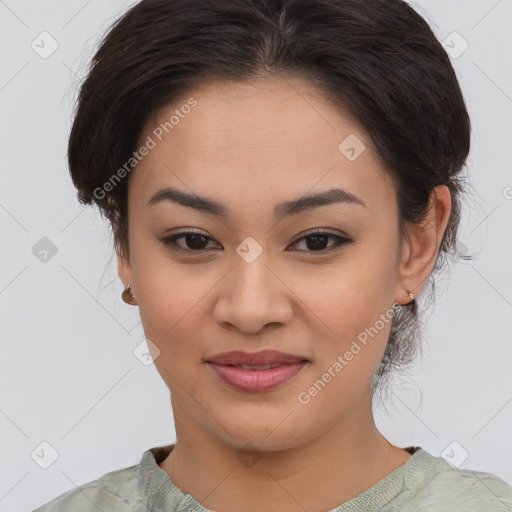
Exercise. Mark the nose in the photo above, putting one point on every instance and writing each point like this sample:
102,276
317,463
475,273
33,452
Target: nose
253,296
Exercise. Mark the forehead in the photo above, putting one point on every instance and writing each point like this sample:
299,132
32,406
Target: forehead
267,140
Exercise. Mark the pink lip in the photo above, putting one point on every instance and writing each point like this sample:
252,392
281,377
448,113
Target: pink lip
261,358
257,380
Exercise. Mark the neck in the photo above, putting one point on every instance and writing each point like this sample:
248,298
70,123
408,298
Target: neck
319,474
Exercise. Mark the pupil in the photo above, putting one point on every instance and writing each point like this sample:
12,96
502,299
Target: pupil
195,237
316,238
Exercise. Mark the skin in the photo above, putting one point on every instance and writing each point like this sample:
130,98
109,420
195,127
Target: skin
251,146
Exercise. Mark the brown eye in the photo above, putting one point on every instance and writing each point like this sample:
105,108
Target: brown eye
315,242
193,242
318,240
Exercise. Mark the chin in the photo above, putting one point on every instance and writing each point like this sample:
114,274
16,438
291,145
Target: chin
264,436
261,444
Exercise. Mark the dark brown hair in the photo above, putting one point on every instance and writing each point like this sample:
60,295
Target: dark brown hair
378,59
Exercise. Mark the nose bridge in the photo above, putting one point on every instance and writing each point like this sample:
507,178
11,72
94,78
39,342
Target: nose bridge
250,277
252,296
251,261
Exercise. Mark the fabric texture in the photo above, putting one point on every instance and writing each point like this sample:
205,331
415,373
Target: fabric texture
422,484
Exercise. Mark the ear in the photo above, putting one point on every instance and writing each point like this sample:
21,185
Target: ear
421,246
124,270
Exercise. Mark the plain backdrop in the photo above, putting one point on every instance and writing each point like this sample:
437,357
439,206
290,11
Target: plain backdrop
72,387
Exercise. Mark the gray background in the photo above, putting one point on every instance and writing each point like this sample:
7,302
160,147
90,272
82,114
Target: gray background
69,376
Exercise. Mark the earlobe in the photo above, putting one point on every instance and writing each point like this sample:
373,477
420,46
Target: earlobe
422,246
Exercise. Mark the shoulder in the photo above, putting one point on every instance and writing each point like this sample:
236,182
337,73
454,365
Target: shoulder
117,491
442,486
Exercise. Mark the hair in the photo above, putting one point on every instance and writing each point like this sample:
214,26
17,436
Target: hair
378,60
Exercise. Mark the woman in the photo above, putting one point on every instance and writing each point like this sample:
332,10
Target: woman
282,179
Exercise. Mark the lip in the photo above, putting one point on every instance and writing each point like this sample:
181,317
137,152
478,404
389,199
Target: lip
257,380
261,358
225,367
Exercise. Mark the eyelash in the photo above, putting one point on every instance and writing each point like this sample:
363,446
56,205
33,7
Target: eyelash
170,242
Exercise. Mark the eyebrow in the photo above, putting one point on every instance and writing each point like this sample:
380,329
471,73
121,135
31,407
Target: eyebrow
293,207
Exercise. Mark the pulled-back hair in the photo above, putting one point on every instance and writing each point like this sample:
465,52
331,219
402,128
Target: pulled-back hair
377,59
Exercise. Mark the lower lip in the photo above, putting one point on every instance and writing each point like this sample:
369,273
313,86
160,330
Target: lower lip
257,380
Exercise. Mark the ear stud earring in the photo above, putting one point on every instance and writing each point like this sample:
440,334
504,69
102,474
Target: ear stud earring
411,295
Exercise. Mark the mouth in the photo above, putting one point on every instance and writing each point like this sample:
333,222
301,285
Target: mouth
259,361
256,373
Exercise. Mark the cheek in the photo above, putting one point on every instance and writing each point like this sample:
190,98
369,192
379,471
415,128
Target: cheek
176,327
351,314
350,292
169,293
173,317
175,309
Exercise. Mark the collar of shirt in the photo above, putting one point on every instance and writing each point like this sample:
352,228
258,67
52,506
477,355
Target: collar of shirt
160,493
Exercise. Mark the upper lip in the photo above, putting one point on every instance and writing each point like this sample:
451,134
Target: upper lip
264,357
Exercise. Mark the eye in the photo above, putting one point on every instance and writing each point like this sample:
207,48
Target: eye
197,242
316,240
194,242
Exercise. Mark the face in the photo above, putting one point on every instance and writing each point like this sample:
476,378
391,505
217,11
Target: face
313,280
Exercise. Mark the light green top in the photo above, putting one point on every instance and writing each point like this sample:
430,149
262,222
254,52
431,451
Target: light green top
423,483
